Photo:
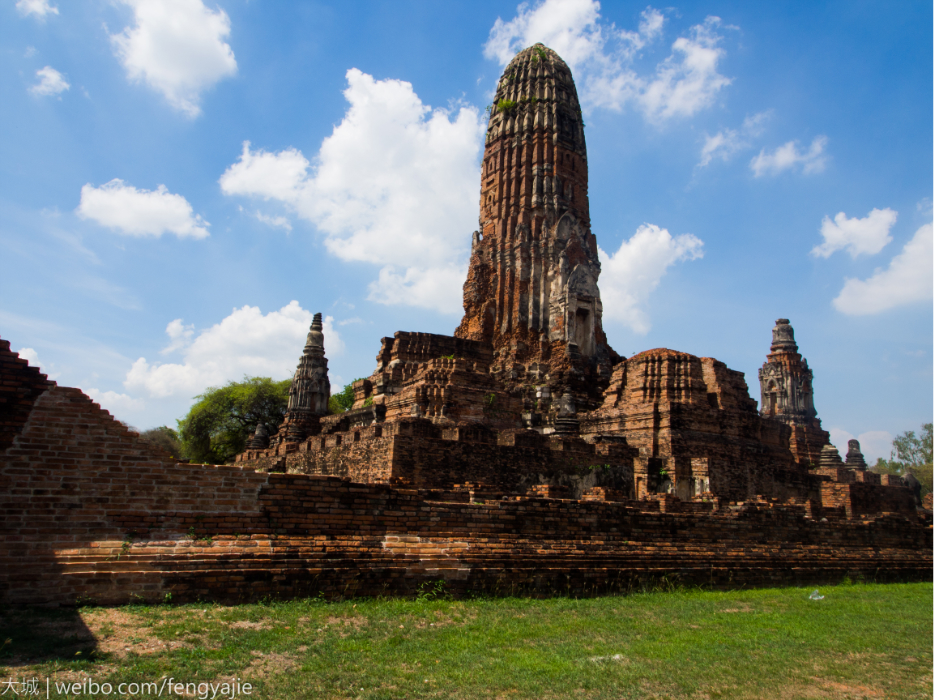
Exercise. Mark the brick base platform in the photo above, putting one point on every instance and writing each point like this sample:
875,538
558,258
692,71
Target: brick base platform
92,513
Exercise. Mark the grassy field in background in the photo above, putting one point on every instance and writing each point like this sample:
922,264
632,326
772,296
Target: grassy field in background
859,641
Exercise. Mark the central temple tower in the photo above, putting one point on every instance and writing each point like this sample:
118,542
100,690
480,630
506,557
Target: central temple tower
531,289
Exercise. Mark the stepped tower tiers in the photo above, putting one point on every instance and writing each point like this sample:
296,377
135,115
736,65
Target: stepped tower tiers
788,395
310,389
531,288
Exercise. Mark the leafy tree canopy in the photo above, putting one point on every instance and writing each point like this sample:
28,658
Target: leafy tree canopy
223,419
165,438
911,453
342,400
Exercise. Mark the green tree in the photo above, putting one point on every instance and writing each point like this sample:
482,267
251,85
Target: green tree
342,400
911,453
223,419
165,438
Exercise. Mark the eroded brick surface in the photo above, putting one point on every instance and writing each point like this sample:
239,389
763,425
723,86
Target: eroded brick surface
93,513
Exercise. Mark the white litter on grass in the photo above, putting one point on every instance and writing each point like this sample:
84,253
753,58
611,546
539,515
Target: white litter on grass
816,596
601,659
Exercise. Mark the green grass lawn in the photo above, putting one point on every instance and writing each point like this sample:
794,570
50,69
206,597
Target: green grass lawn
860,641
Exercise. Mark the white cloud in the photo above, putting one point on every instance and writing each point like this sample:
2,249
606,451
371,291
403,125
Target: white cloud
601,56
909,278
244,343
178,48
140,212
726,143
116,403
179,335
31,356
687,81
395,184
436,287
570,27
635,270
51,82
277,221
788,156
868,235
873,443
39,8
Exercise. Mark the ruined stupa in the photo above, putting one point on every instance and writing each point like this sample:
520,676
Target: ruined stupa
531,289
854,456
309,391
786,383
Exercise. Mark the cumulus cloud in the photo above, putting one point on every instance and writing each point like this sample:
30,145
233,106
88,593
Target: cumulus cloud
728,142
51,82
858,236
435,287
635,270
179,335
39,8
394,184
177,47
115,402
908,279
30,355
246,342
140,212
602,56
788,156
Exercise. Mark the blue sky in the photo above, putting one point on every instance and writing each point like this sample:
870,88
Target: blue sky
183,184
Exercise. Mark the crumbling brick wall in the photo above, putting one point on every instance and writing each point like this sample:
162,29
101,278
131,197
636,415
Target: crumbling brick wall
20,386
92,512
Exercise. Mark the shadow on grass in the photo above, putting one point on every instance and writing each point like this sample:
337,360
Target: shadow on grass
35,635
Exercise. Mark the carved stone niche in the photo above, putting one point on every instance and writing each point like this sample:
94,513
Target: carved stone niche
582,306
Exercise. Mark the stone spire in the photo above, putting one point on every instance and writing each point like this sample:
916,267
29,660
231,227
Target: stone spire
260,439
854,457
786,380
531,289
829,457
788,396
310,389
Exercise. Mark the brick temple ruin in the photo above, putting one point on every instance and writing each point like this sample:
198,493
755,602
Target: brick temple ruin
521,454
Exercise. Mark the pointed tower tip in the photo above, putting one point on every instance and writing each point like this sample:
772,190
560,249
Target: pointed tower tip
316,324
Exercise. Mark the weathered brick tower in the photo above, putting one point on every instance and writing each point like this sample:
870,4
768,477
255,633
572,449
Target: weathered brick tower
531,289
310,389
786,382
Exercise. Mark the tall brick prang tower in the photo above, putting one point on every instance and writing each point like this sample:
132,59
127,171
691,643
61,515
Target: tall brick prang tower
310,389
788,394
785,379
531,289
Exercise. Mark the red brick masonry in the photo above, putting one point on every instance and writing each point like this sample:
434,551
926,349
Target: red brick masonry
90,512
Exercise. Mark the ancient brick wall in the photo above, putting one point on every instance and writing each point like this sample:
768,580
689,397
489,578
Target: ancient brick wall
20,386
317,534
865,498
91,512
417,452
72,462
